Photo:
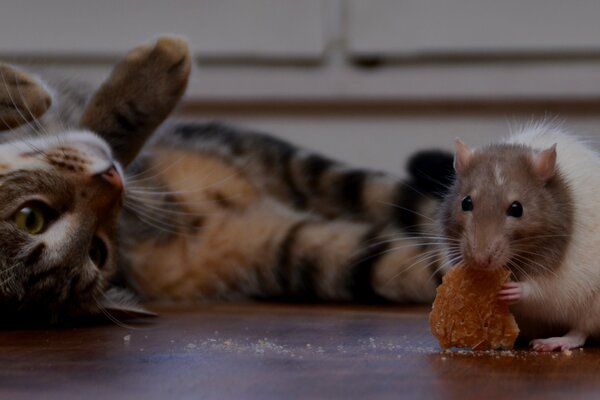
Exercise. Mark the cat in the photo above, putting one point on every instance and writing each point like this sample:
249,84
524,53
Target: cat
101,199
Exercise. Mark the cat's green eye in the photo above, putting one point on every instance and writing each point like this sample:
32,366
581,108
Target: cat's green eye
31,219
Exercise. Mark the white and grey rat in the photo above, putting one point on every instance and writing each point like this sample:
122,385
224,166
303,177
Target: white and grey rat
532,203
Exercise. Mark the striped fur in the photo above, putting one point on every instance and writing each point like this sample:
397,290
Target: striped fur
213,212
278,221
72,177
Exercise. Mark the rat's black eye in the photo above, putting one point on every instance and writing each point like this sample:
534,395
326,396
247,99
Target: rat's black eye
467,204
515,210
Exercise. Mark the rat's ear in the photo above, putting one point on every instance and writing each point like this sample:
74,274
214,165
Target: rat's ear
544,163
462,156
22,97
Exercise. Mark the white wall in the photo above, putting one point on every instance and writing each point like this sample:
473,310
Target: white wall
423,52
386,142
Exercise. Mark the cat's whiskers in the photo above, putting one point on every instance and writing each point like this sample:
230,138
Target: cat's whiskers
160,199
10,278
187,191
25,138
111,317
150,219
59,117
158,166
149,207
34,120
162,171
140,209
18,109
168,201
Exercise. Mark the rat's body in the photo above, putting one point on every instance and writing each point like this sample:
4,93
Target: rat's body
534,207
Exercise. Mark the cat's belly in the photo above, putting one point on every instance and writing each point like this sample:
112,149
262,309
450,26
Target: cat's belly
230,257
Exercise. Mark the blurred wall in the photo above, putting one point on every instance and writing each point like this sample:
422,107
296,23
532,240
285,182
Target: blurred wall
368,81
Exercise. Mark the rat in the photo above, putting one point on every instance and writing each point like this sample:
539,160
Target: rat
531,203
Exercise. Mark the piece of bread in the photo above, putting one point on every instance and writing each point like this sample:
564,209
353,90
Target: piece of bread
466,312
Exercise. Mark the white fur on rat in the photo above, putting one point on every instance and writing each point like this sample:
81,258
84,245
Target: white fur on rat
552,241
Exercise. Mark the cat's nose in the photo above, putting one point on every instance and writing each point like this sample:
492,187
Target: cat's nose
113,177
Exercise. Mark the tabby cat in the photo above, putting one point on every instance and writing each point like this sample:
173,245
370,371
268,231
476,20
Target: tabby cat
97,198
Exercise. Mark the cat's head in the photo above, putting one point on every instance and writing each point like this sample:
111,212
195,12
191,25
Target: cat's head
60,198
61,191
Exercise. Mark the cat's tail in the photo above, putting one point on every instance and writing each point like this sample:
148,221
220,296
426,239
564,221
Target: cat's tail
432,171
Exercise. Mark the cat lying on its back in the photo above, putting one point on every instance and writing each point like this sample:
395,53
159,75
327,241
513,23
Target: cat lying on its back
209,212
61,186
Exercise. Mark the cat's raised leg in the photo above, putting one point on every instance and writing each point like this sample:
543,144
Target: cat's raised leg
22,97
138,95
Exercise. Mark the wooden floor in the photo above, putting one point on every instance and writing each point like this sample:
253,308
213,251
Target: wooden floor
277,351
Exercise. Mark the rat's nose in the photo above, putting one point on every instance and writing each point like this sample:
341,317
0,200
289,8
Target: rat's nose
112,176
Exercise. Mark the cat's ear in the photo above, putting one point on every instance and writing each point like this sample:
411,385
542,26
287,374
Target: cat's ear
138,95
121,304
22,97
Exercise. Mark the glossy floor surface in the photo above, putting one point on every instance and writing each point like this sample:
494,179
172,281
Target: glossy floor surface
269,351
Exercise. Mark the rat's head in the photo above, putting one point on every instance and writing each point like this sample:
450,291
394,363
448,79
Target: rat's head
60,198
509,206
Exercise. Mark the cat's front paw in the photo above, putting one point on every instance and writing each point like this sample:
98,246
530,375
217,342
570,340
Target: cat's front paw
167,63
22,97
139,94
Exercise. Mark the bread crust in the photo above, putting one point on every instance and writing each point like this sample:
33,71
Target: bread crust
467,314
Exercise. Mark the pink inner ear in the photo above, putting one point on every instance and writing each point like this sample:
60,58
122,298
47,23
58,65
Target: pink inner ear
544,163
462,156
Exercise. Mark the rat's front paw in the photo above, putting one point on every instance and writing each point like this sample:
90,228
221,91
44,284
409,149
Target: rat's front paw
511,292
